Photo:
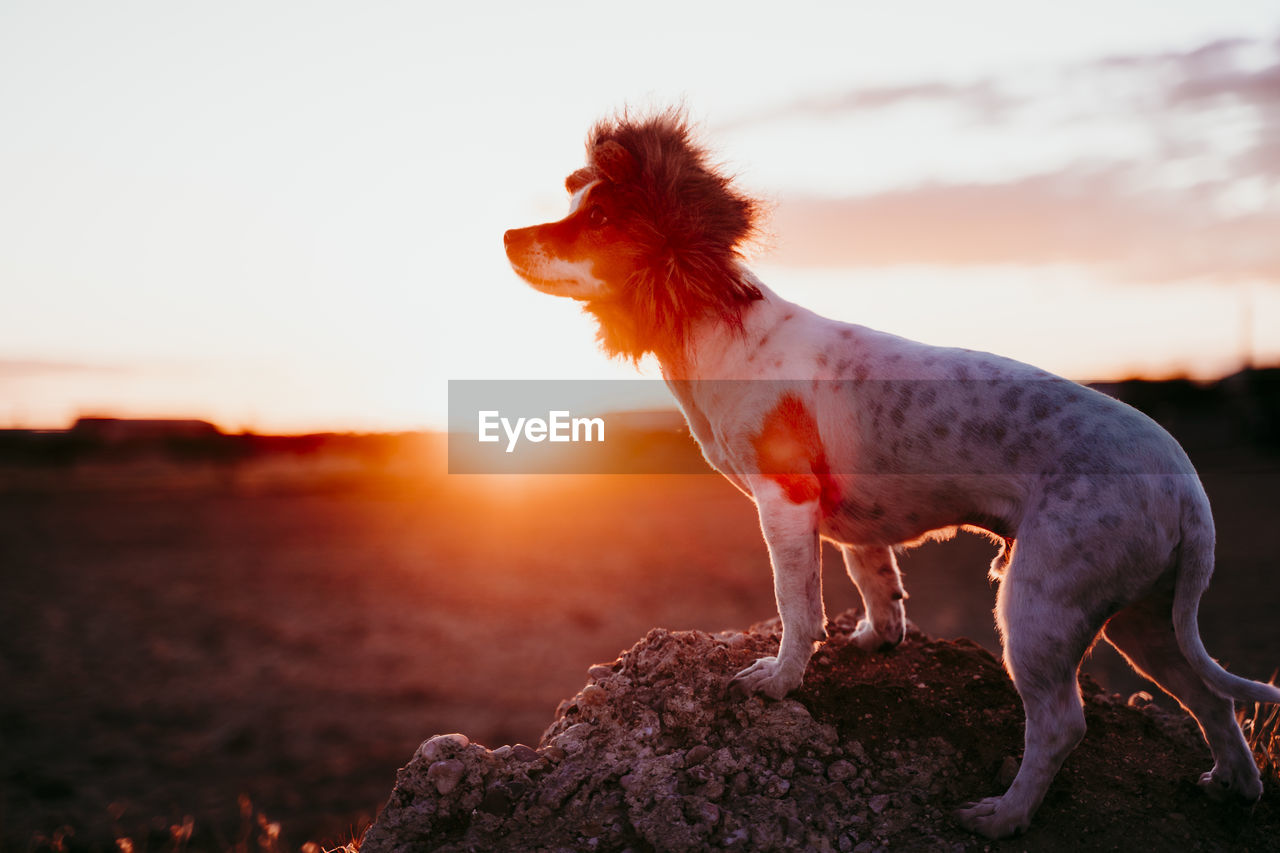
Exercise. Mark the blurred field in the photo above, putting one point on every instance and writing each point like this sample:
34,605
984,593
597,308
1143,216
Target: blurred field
288,627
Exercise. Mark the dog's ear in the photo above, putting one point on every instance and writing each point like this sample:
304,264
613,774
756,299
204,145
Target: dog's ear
614,161
580,179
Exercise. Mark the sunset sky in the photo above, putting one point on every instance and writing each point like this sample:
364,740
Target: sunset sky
289,216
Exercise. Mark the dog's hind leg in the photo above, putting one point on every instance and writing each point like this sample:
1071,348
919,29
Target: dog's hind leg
1047,624
1143,633
875,572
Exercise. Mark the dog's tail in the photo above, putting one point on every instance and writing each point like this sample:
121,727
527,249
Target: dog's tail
1194,567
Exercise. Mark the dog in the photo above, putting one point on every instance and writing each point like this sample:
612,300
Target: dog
873,442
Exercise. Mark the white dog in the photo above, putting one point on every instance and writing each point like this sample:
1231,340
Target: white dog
872,441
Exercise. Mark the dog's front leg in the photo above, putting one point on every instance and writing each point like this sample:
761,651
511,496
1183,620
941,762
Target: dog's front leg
791,532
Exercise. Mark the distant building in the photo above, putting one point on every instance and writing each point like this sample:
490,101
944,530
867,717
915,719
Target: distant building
120,430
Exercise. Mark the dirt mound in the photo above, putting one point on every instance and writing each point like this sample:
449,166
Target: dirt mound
873,753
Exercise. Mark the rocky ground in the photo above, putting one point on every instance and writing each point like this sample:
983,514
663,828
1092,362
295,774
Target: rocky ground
873,753
201,658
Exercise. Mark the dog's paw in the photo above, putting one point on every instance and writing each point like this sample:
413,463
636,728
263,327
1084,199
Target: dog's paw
867,638
986,817
766,676
1222,790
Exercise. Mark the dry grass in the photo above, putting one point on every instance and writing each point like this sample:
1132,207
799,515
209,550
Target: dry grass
1261,725
257,834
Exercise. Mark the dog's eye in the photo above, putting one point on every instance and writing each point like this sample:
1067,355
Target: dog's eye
596,217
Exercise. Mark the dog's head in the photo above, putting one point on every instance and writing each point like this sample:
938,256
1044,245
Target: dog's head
652,240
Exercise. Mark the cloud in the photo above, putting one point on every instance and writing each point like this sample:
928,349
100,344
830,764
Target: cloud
1194,190
1189,78
1067,217
1259,88
1198,60
984,99
32,368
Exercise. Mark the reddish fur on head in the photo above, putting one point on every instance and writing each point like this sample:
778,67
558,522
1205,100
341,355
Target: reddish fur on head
680,225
